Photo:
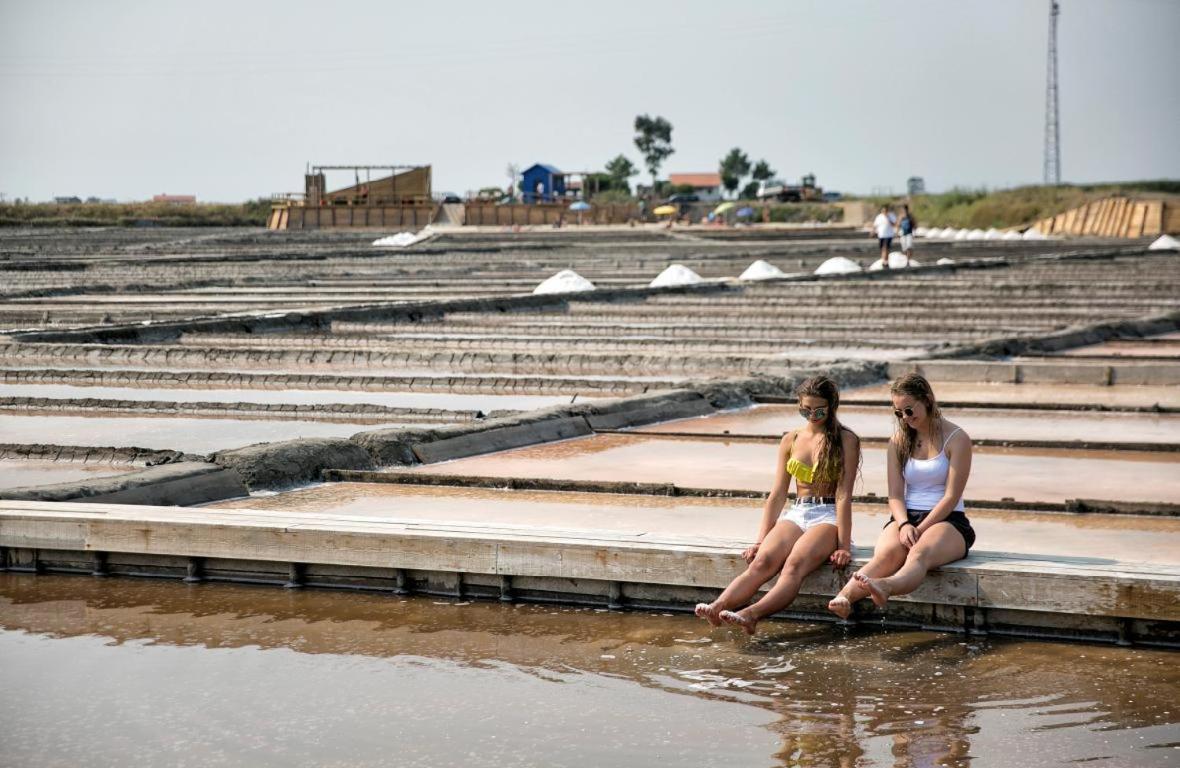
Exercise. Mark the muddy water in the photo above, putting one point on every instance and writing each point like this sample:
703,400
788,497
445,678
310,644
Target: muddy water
981,424
15,473
194,435
1097,539
1018,394
996,473
194,393
153,673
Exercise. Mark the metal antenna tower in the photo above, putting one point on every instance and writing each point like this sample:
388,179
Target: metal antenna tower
1052,122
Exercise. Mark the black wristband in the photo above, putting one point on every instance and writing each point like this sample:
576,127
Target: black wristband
907,522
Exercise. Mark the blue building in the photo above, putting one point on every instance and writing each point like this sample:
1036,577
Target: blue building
541,183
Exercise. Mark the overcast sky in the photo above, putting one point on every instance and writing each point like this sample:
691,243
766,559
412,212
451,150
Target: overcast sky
230,100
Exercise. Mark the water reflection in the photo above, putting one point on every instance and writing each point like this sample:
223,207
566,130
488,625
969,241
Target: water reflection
829,698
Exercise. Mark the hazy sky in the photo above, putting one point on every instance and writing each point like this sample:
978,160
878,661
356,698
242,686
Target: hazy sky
230,100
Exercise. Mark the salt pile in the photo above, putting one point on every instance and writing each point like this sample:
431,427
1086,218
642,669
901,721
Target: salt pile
402,239
922,231
975,234
1165,243
761,270
677,274
565,281
945,260
963,234
1032,233
1011,236
992,234
897,260
948,233
837,265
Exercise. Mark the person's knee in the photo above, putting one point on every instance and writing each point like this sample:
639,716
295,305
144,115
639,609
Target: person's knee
794,570
763,566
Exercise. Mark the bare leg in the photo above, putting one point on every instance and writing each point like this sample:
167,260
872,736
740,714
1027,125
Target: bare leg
809,553
939,545
769,561
888,555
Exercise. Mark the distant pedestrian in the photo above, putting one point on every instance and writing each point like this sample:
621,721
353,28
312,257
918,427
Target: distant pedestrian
906,226
883,226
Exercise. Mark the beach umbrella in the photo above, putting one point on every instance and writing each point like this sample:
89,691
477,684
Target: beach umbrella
745,213
665,210
723,208
580,206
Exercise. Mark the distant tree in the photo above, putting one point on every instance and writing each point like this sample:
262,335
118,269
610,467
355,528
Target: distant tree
762,171
653,138
620,170
734,166
750,191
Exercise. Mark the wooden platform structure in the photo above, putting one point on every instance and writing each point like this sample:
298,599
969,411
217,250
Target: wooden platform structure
1074,598
1116,217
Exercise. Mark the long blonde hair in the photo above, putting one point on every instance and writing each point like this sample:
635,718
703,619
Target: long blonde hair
915,386
829,466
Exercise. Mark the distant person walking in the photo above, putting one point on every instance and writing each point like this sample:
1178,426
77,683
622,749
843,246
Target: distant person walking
883,226
823,457
929,462
906,227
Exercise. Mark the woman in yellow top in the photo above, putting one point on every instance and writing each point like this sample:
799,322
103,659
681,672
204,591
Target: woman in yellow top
822,457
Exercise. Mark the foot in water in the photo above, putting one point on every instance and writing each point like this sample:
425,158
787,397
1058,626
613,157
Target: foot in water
878,589
742,618
840,606
708,612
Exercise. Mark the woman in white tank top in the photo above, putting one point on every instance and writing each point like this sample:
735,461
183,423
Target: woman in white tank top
929,462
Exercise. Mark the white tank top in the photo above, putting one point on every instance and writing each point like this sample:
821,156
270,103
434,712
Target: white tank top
925,480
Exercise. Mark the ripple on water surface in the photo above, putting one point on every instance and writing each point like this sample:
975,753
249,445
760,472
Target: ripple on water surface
233,675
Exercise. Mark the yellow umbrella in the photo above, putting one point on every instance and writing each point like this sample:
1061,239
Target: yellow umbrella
723,207
665,210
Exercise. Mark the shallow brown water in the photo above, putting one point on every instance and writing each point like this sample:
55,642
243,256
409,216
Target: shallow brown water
1008,424
126,672
1049,475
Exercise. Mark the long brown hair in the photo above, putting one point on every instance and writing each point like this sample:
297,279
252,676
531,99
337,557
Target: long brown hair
916,386
829,467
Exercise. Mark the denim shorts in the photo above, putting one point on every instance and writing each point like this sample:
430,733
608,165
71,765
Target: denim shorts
808,516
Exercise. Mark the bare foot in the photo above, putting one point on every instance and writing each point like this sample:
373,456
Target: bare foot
840,606
878,589
742,618
708,611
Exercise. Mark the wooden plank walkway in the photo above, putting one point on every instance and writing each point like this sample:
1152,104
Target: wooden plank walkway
1085,598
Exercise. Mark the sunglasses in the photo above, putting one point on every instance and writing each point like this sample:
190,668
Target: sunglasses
907,412
813,414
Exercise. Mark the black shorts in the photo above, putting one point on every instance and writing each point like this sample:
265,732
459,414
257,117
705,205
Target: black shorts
884,242
957,519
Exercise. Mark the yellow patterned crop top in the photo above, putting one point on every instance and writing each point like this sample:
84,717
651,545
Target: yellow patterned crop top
800,471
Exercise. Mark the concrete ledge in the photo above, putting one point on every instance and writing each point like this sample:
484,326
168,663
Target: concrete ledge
501,439
1105,600
1070,338
183,483
287,463
640,411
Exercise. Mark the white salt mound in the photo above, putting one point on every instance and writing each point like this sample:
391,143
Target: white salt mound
402,239
1011,236
677,274
837,265
897,260
963,234
948,233
761,270
975,234
565,281
945,260
1032,233
992,234
1165,243
922,231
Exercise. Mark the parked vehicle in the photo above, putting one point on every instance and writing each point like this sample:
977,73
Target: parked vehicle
779,190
